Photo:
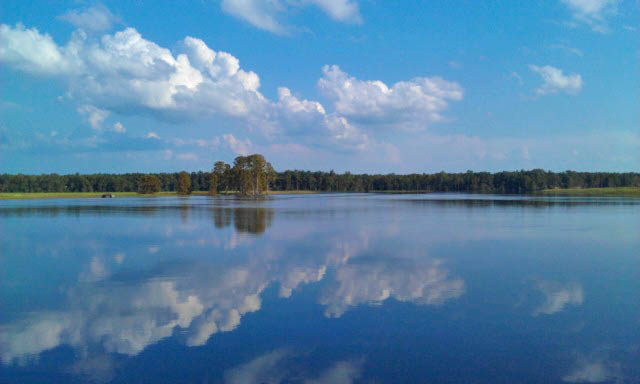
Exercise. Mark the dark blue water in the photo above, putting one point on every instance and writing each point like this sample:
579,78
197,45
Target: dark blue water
321,289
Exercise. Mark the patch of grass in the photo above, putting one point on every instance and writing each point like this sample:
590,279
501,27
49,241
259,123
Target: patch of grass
622,191
292,192
93,195
76,195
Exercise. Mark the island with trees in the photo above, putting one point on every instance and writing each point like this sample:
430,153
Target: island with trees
254,176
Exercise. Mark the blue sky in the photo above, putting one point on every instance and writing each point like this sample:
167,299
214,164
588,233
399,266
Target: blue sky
358,85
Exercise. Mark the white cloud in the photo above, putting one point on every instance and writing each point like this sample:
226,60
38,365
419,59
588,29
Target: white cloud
558,296
239,147
118,127
568,49
187,156
554,80
340,10
410,104
309,118
123,73
96,18
264,13
259,13
95,116
592,12
31,51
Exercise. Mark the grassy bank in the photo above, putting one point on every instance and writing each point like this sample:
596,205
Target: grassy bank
86,195
80,195
624,191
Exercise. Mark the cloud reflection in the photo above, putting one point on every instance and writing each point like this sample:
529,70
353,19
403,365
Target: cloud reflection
423,282
558,296
278,366
594,370
111,312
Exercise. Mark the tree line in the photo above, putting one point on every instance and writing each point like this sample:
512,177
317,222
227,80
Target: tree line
253,175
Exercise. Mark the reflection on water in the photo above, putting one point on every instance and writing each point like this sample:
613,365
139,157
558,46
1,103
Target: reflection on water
333,289
279,366
126,313
250,220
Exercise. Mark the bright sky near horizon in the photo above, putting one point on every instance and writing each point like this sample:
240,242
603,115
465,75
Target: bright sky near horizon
350,85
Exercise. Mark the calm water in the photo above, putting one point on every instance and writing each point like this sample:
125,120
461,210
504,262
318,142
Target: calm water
320,289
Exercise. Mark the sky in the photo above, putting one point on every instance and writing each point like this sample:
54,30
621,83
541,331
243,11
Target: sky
350,85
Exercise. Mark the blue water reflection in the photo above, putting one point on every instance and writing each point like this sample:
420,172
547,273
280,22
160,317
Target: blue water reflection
321,288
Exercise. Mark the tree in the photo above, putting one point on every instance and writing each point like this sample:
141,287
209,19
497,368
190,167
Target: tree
252,175
148,184
213,184
184,183
222,173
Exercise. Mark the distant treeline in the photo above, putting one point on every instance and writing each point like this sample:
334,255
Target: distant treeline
480,182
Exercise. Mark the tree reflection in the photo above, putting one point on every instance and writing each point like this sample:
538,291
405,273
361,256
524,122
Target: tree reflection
253,220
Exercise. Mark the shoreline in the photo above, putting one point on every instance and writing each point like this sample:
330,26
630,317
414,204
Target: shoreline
593,192
98,195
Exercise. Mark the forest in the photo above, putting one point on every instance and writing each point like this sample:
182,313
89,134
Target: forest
223,178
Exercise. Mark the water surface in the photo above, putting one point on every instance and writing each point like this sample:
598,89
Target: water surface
326,288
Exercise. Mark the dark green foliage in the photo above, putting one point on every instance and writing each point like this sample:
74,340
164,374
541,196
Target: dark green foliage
149,184
473,182
222,176
184,183
213,186
252,175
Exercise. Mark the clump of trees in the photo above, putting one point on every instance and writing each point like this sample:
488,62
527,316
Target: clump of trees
250,176
149,184
221,178
184,184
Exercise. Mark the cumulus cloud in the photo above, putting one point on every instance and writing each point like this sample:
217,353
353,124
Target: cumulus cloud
309,118
124,73
239,147
31,51
96,18
264,14
592,12
558,296
411,104
554,80
95,116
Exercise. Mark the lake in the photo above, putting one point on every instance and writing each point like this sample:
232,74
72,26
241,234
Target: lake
327,288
